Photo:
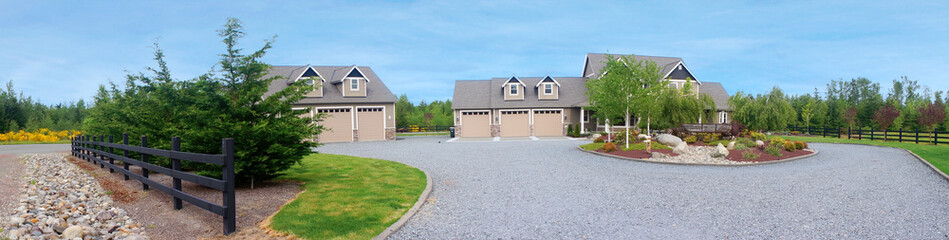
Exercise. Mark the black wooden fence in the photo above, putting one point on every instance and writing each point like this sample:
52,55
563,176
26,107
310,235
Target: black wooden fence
901,135
97,150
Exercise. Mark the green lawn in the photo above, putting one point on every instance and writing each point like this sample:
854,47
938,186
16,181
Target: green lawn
937,155
32,142
422,134
348,197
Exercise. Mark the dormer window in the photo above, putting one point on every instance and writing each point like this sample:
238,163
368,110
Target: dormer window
354,84
513,87
548,88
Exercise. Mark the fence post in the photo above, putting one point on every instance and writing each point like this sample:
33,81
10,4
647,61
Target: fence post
823,130
125,153
145,160
917,135
936,137
101,148
884,135
230,217
871,133
176,165
112,151
94,155
901,134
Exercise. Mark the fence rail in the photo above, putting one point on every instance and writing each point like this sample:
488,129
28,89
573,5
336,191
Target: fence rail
901,135
96,150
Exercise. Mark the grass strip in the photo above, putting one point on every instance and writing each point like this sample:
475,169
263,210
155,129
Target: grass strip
348,197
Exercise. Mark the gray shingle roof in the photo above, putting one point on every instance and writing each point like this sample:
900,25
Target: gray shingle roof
376,91
480,94
598,60
717,92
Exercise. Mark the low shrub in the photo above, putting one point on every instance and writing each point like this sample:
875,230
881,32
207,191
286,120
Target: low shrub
750,155
599,140
758,136
800,144
609,147
691,139
795,133
789,146
776,139
747,142
740,146
774,150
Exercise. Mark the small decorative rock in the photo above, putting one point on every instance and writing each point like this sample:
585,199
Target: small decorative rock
668,140
63,202
658,155
720,151
641,136
759,143
731,145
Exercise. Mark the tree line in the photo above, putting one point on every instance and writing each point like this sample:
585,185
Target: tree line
436,113
18,112
856,103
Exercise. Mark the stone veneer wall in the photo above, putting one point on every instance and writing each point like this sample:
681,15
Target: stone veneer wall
390,133
495,130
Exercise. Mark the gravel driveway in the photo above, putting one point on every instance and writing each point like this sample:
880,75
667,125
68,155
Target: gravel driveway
549,189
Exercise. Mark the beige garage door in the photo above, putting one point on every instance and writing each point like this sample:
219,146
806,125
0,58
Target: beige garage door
338,125
515,123
548,123
371,122
475,124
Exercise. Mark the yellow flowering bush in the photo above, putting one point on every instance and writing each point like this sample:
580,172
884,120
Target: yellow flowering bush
42,135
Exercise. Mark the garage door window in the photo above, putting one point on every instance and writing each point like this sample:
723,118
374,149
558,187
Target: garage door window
369,110
333,110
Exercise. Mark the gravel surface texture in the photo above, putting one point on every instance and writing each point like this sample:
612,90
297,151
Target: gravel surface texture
60,201
550,189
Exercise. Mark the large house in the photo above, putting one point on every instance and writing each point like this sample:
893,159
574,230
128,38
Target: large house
357,104
546,106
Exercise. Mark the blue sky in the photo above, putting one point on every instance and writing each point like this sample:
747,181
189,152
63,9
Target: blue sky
62,51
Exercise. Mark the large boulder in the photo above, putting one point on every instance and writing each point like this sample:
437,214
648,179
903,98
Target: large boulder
759,143
641,136
682,148
668,140
731,145
720,151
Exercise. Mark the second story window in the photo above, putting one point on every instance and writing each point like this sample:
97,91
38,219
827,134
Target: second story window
354,84
548,88
513,87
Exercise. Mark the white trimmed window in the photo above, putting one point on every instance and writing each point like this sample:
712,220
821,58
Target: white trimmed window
548,88
513,87
354,84
722,117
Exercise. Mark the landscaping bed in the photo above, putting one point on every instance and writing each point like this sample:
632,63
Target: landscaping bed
704,149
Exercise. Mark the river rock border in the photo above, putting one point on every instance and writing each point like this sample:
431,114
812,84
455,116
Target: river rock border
60,201
737,164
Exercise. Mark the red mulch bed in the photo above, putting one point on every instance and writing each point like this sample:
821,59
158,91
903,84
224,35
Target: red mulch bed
736,155
640,154
733,155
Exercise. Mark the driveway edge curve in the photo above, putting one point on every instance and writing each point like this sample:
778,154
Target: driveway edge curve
411,212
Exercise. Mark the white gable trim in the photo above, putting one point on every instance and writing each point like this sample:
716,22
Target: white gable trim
545,78
683,66
308,67
509,80
355,68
